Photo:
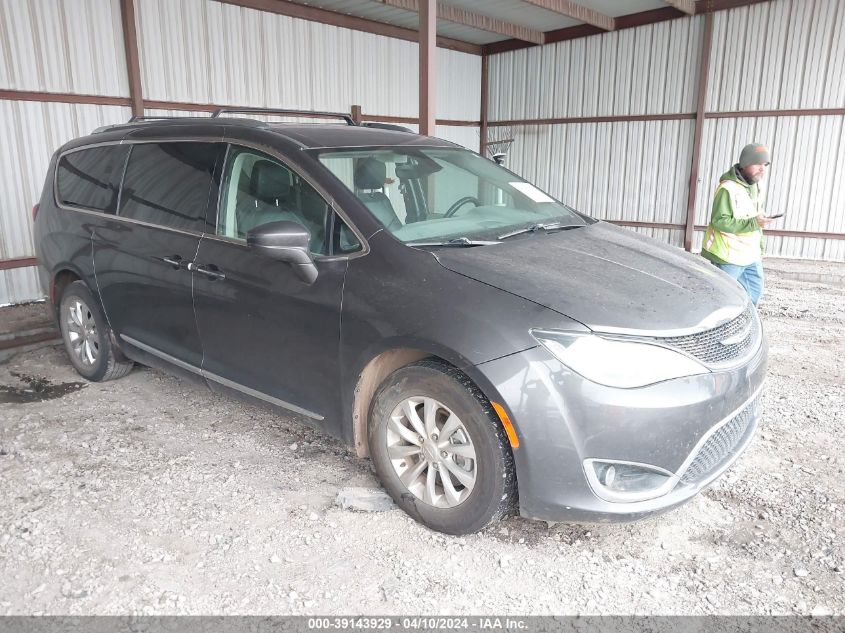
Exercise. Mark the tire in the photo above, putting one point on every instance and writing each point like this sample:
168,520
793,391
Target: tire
87,336
475,459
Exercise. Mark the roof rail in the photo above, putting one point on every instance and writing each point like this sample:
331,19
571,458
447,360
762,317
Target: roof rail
387,126
138,117
304,113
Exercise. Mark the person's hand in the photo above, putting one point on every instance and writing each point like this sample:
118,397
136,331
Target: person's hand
763,221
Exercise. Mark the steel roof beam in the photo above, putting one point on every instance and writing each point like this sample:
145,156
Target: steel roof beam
578,12
687,6
475,20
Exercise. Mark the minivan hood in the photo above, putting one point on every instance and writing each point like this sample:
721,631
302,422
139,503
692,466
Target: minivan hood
608,278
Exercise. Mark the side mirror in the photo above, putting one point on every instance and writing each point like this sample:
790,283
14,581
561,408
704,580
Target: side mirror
285,241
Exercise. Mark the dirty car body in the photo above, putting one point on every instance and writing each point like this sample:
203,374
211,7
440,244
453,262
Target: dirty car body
626,372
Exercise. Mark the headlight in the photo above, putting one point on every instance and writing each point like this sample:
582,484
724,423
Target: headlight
615,362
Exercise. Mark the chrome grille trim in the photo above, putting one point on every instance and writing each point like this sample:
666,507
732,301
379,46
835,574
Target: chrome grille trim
721,347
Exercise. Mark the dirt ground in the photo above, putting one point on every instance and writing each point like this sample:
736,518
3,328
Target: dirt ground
150,495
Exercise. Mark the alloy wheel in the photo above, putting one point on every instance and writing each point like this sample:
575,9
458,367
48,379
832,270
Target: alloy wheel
431,452
82,332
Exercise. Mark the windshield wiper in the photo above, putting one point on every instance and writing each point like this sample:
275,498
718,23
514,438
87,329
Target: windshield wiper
457,241
551,226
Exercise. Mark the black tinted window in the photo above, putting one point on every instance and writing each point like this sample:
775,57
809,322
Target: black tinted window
169,183
90,177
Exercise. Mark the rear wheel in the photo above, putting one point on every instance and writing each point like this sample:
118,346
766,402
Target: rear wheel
87,336
439,449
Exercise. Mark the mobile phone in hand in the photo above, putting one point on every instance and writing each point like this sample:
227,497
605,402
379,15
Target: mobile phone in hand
775,217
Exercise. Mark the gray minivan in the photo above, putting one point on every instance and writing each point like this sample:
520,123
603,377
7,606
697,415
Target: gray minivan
489,348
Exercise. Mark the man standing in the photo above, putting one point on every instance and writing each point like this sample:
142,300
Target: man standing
734,237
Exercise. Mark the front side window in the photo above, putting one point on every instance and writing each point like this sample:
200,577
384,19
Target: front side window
168,184
258,189
90,178
422,194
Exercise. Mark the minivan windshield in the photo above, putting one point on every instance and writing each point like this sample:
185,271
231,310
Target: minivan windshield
431,195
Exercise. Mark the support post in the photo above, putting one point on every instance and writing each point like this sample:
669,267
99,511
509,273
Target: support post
356,115
485,91
703,70
133,66
428,66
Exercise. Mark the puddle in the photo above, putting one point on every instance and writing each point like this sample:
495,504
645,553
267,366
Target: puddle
35,389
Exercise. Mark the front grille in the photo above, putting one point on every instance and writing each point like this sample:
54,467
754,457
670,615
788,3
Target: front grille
721,445
708,347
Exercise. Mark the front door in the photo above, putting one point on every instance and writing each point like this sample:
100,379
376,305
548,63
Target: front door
265,332
141,256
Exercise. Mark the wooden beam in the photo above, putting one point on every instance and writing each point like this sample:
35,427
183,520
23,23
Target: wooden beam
622,118
700,228
578,12
479,21
324,16
703,69
61,97
18,262
133,64
687,6
771,113
384,118
428,66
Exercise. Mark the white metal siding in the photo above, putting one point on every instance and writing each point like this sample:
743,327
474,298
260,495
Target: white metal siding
779,55
19,285
60,46
805,181
32,131
617,171
199,51
647,70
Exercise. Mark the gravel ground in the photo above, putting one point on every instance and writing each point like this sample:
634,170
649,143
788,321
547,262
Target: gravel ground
150,495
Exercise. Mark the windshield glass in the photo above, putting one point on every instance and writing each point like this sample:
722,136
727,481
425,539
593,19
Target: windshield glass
437,194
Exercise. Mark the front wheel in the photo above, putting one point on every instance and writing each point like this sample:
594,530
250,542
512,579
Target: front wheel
439,450
87,336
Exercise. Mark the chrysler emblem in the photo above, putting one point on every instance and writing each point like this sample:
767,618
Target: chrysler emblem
739,337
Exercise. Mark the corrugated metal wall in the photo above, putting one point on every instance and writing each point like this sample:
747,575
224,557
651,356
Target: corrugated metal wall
621,171
199,51
805,181
792,56
784,54
31,132
636,171
49,46
648,70
194,51
59,46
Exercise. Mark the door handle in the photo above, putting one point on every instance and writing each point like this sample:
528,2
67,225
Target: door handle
211,271
175,261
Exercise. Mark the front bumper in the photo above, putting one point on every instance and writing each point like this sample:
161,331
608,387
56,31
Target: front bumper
692,427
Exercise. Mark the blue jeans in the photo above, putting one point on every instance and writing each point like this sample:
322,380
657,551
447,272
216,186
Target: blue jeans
749,277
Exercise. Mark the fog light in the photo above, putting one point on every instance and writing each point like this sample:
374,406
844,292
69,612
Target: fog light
624,482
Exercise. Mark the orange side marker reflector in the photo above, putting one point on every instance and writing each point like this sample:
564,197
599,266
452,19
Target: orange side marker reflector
506,422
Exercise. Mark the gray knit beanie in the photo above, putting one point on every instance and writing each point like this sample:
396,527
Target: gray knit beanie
754,154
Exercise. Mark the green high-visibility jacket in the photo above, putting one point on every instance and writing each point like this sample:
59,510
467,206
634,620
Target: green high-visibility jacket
733,235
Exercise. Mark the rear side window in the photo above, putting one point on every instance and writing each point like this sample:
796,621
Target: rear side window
169,184
90,177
